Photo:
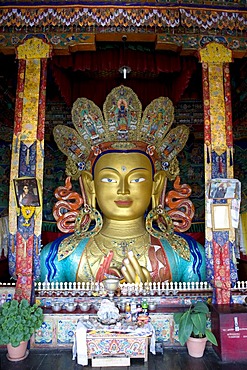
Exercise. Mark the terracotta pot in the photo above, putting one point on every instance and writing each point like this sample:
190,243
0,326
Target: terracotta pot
17,353
196,346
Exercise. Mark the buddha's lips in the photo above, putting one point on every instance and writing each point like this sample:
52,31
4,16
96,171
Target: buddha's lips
123,203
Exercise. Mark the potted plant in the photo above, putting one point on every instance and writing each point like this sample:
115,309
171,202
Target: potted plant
18,321
192,328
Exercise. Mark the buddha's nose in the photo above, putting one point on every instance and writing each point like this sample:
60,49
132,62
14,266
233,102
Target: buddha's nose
123,187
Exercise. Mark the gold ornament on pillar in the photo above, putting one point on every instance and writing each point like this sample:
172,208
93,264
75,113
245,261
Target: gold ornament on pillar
27,212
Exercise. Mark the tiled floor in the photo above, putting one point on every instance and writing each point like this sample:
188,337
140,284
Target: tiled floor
172,359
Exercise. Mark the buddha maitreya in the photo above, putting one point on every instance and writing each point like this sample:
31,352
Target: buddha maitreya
122,227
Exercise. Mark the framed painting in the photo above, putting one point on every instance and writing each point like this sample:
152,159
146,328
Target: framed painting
221,217
27,192
224,189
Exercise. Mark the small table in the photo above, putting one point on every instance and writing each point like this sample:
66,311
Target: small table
111,345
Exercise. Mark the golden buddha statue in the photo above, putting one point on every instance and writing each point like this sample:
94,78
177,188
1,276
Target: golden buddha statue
121,171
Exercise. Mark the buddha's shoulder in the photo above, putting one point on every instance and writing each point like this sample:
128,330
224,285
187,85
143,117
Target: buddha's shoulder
180,246
183,239
64,247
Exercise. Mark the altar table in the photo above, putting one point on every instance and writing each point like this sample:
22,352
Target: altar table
111,345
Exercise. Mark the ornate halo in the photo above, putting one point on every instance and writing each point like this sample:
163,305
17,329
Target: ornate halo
123,127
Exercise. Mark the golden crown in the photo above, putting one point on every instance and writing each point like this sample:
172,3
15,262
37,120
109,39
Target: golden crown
123,127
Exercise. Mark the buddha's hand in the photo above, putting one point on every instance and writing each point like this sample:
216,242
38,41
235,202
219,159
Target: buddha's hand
133,272
105,268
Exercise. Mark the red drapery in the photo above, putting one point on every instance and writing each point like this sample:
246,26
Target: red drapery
94,74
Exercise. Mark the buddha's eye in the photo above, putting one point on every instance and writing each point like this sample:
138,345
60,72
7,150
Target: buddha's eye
107,179
139,179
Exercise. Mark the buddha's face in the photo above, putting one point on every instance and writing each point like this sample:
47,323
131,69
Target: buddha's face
123,185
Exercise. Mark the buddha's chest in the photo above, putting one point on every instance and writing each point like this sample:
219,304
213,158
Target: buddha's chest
95,258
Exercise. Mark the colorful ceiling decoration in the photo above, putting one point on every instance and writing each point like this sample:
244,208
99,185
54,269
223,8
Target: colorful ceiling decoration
171,24
200,3
158,18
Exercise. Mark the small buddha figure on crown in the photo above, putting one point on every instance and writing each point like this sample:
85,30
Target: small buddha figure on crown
123,223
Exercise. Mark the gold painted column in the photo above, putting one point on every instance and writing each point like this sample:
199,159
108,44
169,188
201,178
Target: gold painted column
27,162
218,161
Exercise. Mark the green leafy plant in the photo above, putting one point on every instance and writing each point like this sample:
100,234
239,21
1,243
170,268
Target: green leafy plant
193,323
18,321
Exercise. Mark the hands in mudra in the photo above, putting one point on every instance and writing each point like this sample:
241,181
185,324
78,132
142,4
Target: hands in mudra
131,269
133,272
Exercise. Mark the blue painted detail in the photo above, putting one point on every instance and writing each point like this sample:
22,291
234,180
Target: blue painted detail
233,266
11,255
49,262
219,165
196,254
221,237
36,257
28,168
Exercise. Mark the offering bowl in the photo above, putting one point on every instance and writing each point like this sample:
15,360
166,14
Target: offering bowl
84,306
111,284
152,306
71,306
56,306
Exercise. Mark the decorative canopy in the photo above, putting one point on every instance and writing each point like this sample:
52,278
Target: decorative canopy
94,74
78,25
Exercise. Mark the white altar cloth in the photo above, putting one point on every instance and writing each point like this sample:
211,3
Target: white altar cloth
79,349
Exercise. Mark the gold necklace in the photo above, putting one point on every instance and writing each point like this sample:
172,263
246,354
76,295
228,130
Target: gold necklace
139,245
100,246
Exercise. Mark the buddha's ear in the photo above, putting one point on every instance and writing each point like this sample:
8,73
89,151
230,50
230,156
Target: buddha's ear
159,183
88,187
